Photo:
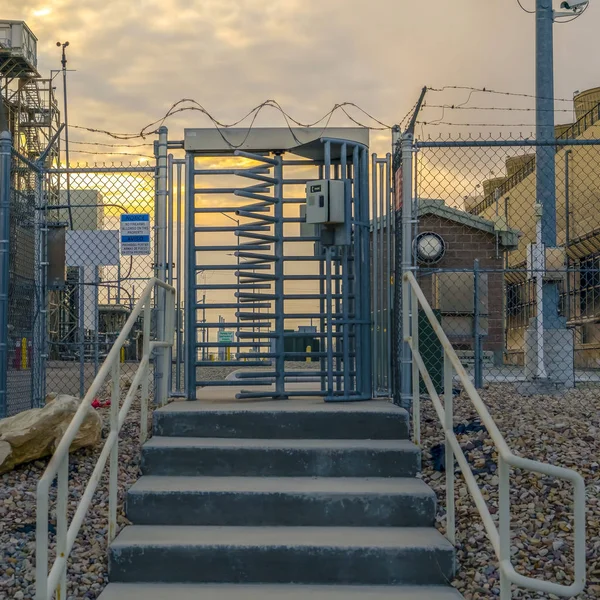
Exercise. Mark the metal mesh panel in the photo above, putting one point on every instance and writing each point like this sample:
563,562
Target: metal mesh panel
103,282
24,290
479,199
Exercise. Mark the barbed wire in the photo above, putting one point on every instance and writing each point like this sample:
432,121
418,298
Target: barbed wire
257,109
176,108
530,12
117,136
496,108
81,142
99,153
500,93
182,106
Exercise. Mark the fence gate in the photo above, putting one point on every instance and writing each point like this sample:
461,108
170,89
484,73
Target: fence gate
266,294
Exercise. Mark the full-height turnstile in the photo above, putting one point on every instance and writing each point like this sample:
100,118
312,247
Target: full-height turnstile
264,293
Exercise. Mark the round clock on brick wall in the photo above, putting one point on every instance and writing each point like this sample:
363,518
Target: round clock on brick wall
429,247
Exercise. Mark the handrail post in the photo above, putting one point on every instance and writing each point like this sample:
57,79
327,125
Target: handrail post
504,525
41,543
62,487
146,380
449,453
416,382
169,335
170,327
165,357
114,453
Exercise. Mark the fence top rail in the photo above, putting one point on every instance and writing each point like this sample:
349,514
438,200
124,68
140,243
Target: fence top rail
501,536
502,143
94,169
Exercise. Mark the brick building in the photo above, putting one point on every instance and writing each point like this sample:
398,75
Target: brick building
446,274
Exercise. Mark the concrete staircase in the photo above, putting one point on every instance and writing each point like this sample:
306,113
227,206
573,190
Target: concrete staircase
280,500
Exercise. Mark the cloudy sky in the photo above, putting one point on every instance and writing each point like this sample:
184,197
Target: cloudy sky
135,58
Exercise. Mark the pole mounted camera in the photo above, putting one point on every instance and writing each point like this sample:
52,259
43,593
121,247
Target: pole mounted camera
575,7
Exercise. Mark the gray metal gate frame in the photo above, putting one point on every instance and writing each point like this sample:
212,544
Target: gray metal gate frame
345,372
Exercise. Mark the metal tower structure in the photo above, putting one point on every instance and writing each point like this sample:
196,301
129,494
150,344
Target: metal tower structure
31,106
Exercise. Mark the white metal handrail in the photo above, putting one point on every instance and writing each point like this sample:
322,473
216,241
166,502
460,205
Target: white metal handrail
499,536
47,584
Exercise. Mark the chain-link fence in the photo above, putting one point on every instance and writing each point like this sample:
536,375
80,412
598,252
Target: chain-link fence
22,288
108,214
482,209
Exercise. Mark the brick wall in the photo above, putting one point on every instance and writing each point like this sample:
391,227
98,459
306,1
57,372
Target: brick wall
464,245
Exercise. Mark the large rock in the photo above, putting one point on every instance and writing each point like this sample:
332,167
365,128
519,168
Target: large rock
37,432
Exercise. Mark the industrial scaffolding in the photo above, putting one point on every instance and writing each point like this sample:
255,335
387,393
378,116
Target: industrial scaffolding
30,104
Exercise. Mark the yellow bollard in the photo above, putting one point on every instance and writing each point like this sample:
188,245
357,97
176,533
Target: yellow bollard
23,353
228,354
308,351
122,354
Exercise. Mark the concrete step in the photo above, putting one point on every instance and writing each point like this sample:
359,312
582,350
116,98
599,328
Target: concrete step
160,591
280,420
319,555
368,502
286,458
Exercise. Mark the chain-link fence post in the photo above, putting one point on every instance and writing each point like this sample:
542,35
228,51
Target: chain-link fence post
163,356
40,335
397,261
407,265
477,354
5,156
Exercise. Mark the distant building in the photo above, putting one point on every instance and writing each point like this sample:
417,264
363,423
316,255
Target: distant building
578,231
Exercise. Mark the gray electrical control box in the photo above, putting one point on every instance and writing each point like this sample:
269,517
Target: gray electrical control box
325,201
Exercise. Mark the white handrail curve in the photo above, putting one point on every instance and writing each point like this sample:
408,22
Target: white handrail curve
47,584
499,536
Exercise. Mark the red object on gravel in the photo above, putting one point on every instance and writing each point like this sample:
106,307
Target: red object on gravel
97,404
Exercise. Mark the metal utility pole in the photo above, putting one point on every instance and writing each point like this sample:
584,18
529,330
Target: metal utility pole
547,293
546,155
63,62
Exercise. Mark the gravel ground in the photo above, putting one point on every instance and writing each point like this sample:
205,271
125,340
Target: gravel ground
561,430
87,574
88,564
